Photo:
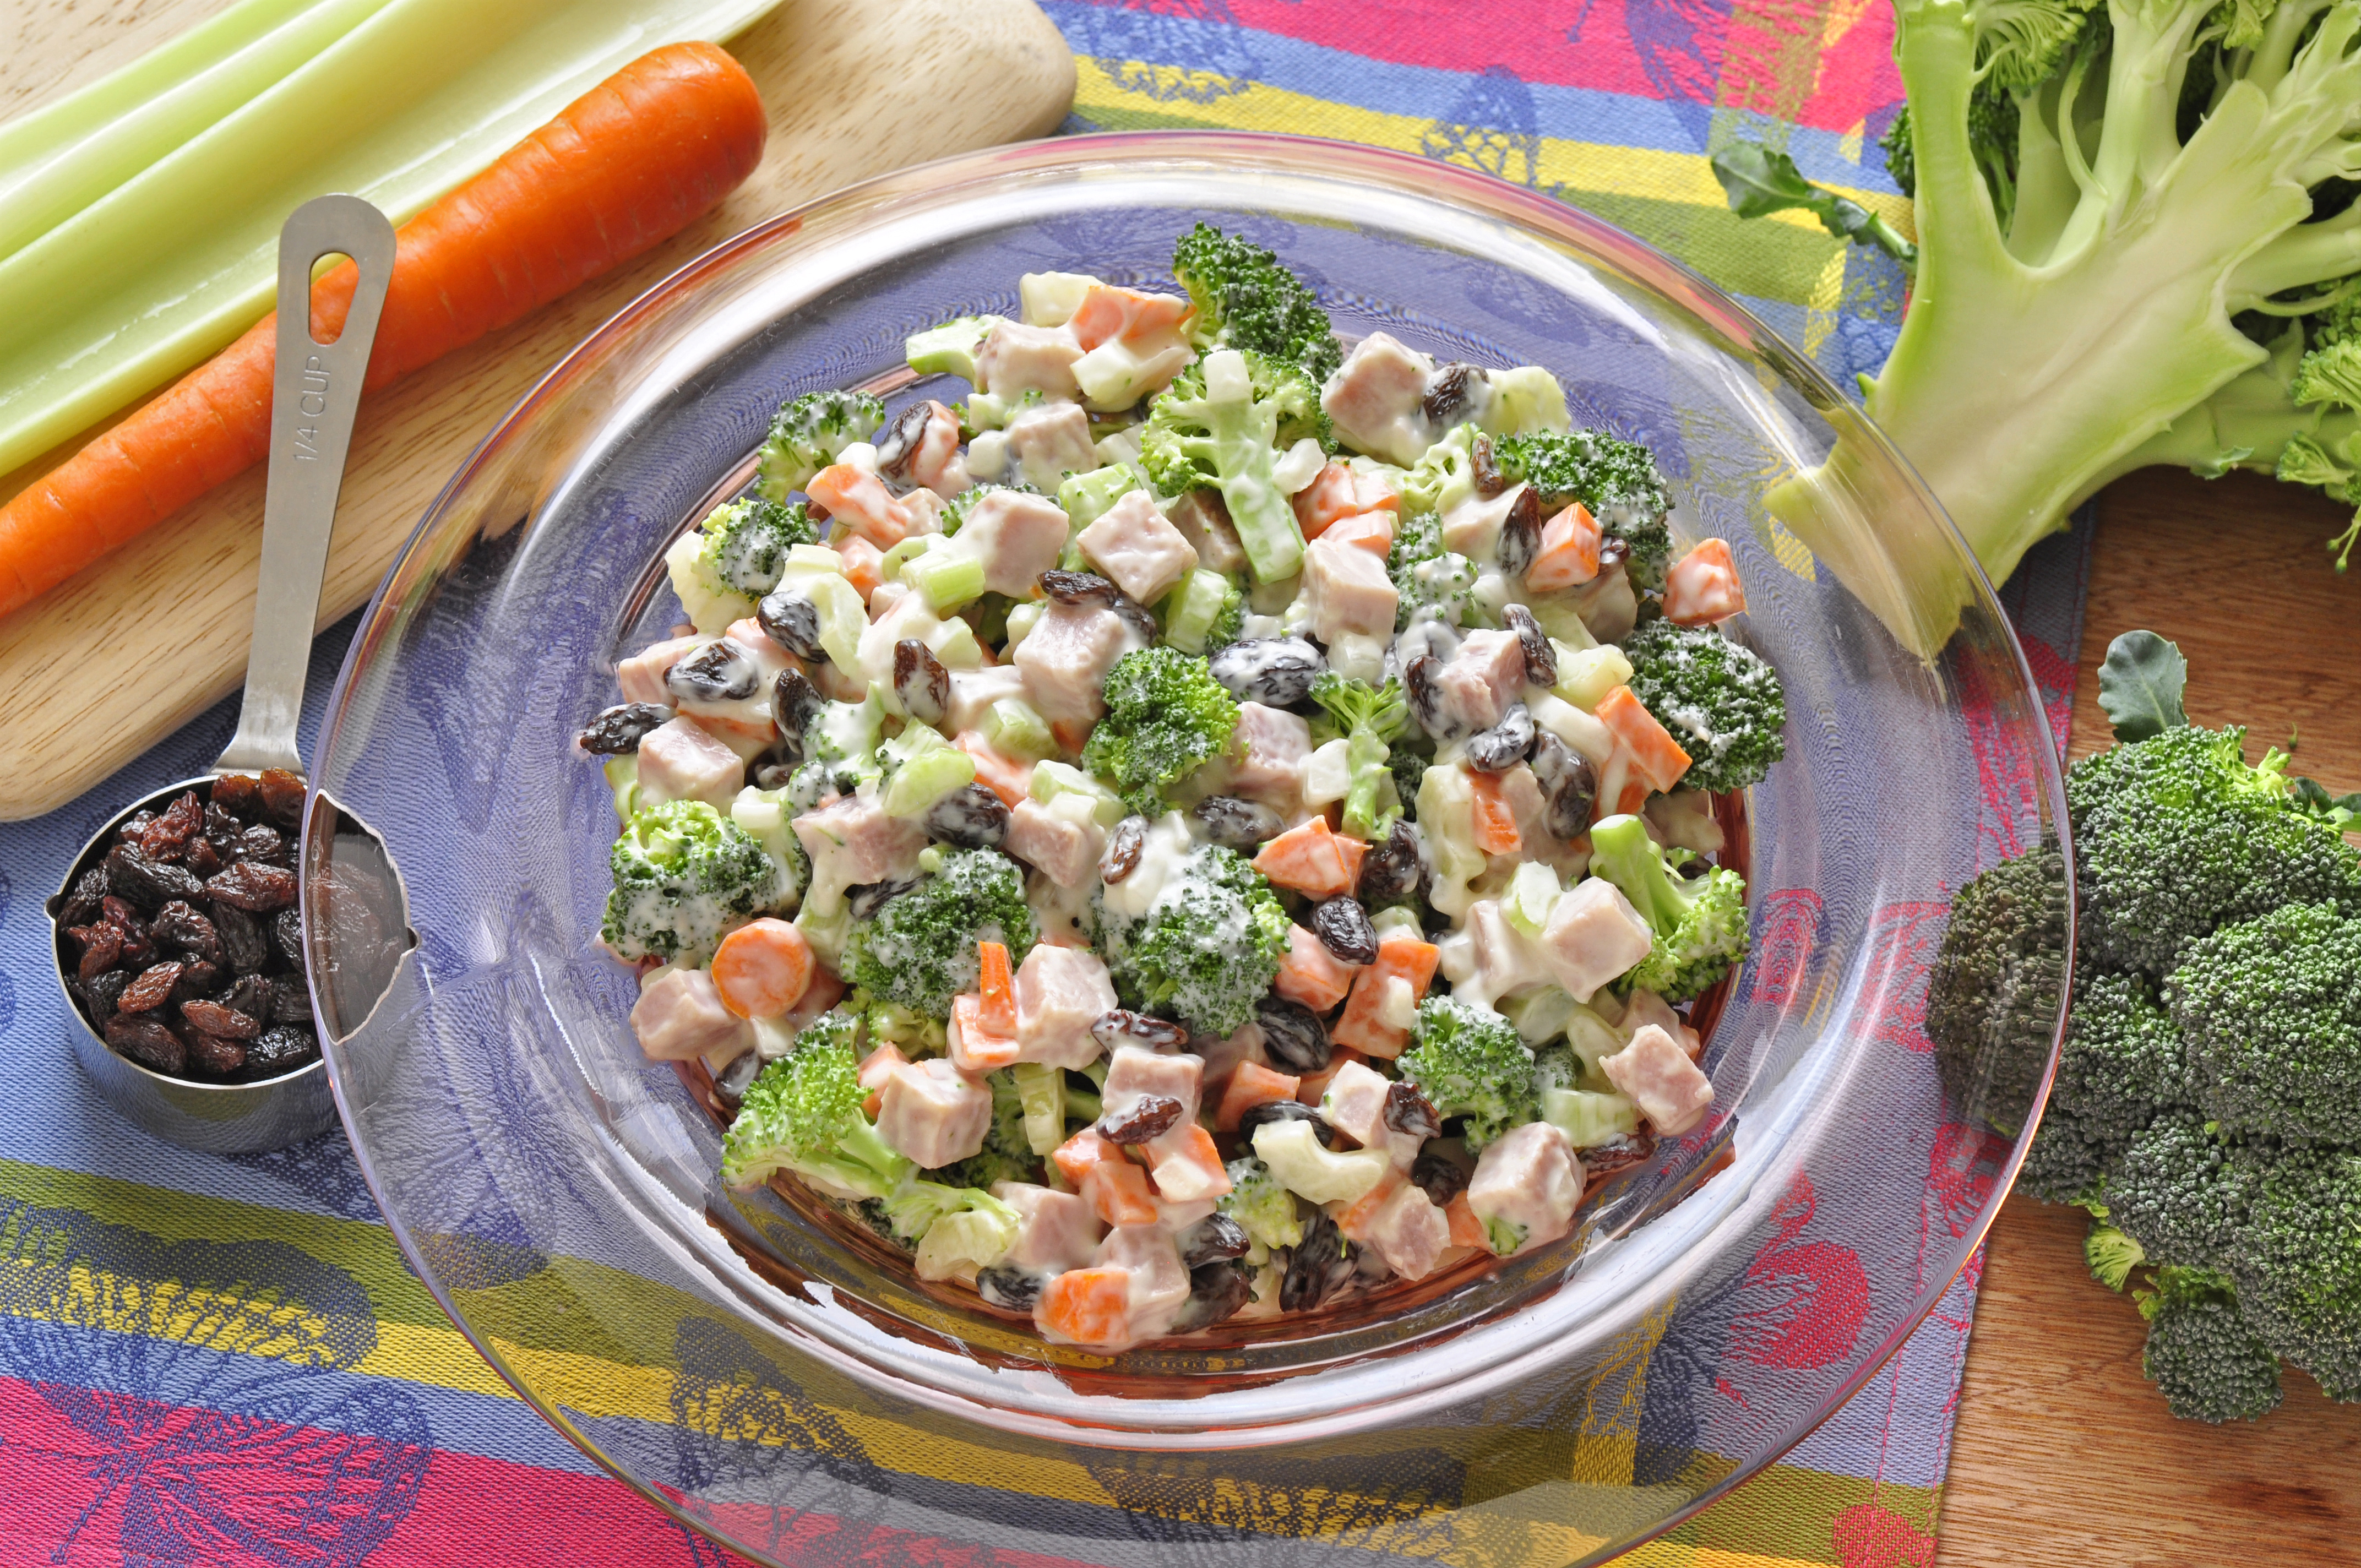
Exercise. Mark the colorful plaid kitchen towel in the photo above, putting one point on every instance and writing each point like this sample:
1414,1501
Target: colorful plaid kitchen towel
226,1360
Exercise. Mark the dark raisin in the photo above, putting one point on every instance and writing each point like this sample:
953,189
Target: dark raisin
794,703
1293,1035
1079,589
1343,928
1123,848
168,834
100,992
730,1085
1139,618
1389,871
151,990
1618,1153
138,949
1213,1238
1408,1111
252,996
148,885
287,935
865,899
1441,1179
102,949
84,904
618,731
920,681
1612,553
719,672
243,945
198,980
899,440
215,1018
1149,1116
282,796
1540,659
143,1038
1319,1264
1507,743
214,1055
1012,1290
182,926
241,794
793,622
970,816
1490,481
1236,824
1449,392
1276,672
290,1001
221,822
133,827
1569,786
1520,536
201,858
264,846
1276,1111
282,1048
1423,686
1216,1291
1121,1026
253,886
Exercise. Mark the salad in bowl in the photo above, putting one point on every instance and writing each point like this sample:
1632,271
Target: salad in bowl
1209,820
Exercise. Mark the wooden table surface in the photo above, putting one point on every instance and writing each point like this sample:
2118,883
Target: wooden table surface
2064,1455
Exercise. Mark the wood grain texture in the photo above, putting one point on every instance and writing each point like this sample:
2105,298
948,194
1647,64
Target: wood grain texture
852,89
2064,1455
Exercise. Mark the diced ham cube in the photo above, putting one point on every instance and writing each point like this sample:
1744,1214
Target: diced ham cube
1472,528
1594,935
1158,1279
768,656
1055,1231
1065,659
1482,678
858,502
1369,531
1374,400
1354,1104
679,1017
1016,536
1061,991
974,691
681,760
1526,1180
1657,1075
1050,443
1644,1007
933,1113
1409,1232
1137,548
642,676
1203,520
1701,588
1016,359
1062,842
1492,958
1310,974
1346,592
1134,1072
1186,1165
851,841
1270,748
931,455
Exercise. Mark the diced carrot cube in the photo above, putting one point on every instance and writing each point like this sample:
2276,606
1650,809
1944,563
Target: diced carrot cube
1309,973
997,989
858,502
1354,1218
1011,781
1569,552
1071,734
1496,819
1186,1165
1656,758
1702,588
1109,314
1352,850
1118,1189
1329,495
1404,961
879,1065
1467,1230
1307,859
975,1044
1251,1085
1089,1306
1372,531
864,564
1086,1150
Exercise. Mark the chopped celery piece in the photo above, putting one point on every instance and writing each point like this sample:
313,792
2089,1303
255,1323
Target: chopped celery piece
890,564
1530,893
1085,497
1021,619
1590,1119
1051,780
1563,623
926,778
1041,1090
949,349
1013,729
1194,608
1050,298
949,577
1592,1037
1585,679
1540,1015
623,780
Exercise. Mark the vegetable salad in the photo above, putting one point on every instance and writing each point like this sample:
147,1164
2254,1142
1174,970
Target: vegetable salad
1206,822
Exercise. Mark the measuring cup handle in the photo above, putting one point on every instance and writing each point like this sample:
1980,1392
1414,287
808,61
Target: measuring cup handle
316,391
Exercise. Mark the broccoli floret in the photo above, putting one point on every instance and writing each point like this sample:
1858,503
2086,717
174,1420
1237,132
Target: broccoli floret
2176,1192
809,433
1700,924
1006,1154
2202,1354
2176,835
685,876
920,950
2108,1252
746,541
1434,583
1470,1063
1616,479
891,1024
1223,423
1206,950
1371,718
1263,1208
803,1113
1166,715
2273,1017
1718,698
1993,991
1556,1067
2296,1256
2124,1058
1445,474
1245,299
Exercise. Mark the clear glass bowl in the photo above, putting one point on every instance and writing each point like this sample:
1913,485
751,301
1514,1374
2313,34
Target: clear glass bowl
751,1371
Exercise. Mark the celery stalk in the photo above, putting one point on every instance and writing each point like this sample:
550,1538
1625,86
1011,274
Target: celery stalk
163,271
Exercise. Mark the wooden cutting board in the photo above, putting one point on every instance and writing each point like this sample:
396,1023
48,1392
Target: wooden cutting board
112,661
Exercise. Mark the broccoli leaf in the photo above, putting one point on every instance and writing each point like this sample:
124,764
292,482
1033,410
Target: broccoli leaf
2140,686
1760,181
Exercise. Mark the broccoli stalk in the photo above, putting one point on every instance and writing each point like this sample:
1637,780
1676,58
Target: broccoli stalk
1700,925
1370,717
803,1113
1223,423
1166,716
1470,1062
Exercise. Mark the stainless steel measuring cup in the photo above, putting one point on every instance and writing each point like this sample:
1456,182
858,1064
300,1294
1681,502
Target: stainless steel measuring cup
315,392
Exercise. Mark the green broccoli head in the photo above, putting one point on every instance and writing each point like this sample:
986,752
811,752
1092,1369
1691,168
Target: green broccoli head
1434,583
1166,716
1370,718
1470,1063
1263,1208
1006,1154
1993,991
803,1113
809,434
2202,1354
1556,1067
747,541
1245,299
2066,1163
2296,1256
1718,698
2176,834
1206,950
2109,1252
2176,1191
1618,480
920,950
1700,924
2273,1017
685,876
1221,424
1445,474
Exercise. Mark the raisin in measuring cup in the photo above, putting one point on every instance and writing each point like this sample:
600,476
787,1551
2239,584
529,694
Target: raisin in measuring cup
182,929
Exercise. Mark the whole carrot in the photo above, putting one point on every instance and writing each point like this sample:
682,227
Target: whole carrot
623,167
